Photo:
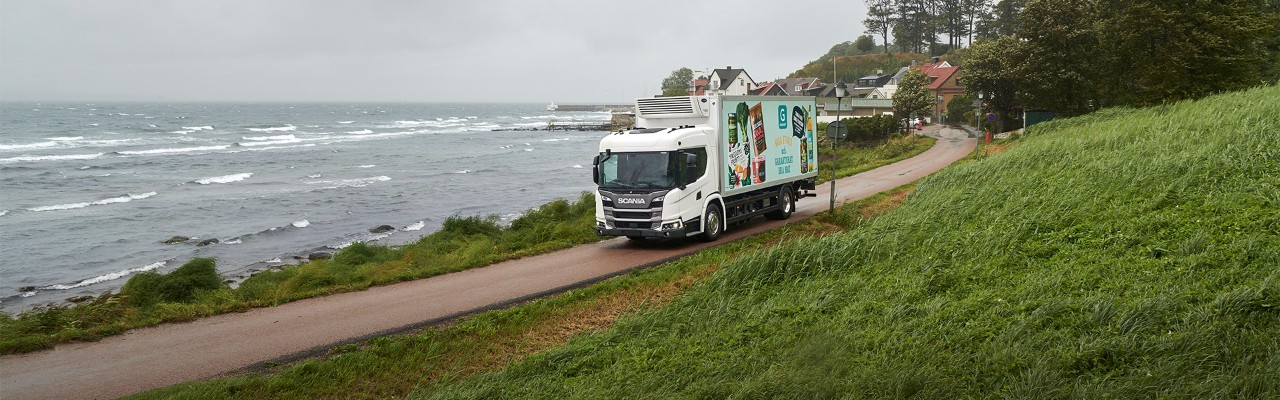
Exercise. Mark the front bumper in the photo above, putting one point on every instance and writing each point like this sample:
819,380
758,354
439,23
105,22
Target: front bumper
648,233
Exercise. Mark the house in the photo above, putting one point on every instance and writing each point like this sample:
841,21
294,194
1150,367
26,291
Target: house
943,83
699,86
797,86
770,89
731,81
878,79
857,102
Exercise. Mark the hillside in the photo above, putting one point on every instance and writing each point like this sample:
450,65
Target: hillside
1123,254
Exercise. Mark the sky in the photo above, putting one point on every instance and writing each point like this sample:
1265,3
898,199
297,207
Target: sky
493,51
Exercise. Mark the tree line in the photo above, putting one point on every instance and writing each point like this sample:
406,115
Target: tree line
1072,57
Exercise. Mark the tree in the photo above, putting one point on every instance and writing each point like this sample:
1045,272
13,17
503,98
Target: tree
912,97
1003,20
1058,69
880,20
1169,51
865,44
989,70
677,84
960,109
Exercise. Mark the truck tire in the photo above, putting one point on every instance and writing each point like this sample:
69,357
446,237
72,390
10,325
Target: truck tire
787,204
711,224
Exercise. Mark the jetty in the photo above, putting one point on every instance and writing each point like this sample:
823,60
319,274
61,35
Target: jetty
590,107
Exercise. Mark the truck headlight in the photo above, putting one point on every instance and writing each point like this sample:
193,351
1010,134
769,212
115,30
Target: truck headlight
677,224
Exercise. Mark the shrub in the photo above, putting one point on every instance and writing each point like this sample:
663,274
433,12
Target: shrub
180,285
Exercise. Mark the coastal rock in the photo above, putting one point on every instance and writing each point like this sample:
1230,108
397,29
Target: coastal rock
382,229
176,240
26,289
207,242
79,299
319,256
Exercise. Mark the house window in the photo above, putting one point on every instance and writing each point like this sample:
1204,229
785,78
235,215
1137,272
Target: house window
742,83
797,88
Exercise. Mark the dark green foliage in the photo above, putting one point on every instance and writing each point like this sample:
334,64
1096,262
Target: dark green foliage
179,285
851,66
960,110
677,84
913,97
359,253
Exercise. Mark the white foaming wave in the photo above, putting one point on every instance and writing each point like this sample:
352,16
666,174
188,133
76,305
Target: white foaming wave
557,140
465,171
234,241
282,147
198,128
277,137
181,132
108,277
577,166
528,149
361,132
358,182
225,178
345,122
314,176
301,224
288,128
113,200
50,158
39,145
366,166
66,138
270,142
274,260
416,226
172,150
4,212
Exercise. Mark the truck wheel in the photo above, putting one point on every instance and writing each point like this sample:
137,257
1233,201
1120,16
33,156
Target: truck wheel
786,204
711,224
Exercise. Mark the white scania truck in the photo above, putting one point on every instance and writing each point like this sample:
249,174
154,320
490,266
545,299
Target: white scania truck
694,165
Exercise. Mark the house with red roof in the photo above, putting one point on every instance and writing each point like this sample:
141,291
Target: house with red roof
944,83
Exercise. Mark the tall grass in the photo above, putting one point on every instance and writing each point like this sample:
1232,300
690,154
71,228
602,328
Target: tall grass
462,242
1124,254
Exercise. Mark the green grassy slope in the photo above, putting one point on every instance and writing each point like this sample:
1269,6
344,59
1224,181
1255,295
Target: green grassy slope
1125,254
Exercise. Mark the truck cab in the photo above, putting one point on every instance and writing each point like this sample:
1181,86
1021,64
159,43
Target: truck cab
654,182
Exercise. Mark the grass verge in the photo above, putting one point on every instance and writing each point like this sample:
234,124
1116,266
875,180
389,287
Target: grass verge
462,243
1123,254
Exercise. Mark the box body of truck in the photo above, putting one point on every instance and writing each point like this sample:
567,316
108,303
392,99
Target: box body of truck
694,165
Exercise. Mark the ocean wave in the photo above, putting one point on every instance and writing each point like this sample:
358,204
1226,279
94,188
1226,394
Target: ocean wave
577,166
4,212
345,122
557,140
282,147
225,178
198,128
28,146
361,132
366,166
277,137
171,150
235,240
264,142
416,226
287,128
357,182
113,200
66,138
50,158
301,223
108,277
181,132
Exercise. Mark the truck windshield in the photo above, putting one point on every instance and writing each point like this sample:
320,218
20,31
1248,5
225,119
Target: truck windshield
649,170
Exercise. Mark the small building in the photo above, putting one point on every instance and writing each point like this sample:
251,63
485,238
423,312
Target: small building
731,81
797,86
770,89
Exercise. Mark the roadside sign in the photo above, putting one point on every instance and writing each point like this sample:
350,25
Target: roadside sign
991,117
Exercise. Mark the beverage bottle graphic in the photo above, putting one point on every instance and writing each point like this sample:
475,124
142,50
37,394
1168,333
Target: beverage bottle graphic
733,130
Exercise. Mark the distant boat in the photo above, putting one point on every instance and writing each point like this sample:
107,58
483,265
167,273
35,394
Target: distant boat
552,106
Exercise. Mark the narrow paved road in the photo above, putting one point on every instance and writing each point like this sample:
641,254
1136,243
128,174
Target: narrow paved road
165,355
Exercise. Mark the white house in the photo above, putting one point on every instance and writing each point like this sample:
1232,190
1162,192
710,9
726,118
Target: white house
731,81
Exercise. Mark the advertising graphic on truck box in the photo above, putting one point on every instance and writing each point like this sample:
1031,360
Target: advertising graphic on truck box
767,141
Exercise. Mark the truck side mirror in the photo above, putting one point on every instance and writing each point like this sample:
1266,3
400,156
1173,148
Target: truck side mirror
595,174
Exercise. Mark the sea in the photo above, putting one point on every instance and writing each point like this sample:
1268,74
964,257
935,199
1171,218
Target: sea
90,192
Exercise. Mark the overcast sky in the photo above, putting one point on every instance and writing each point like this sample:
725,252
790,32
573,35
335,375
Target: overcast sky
566,51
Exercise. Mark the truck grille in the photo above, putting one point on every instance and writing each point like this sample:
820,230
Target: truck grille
633,225
631,215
